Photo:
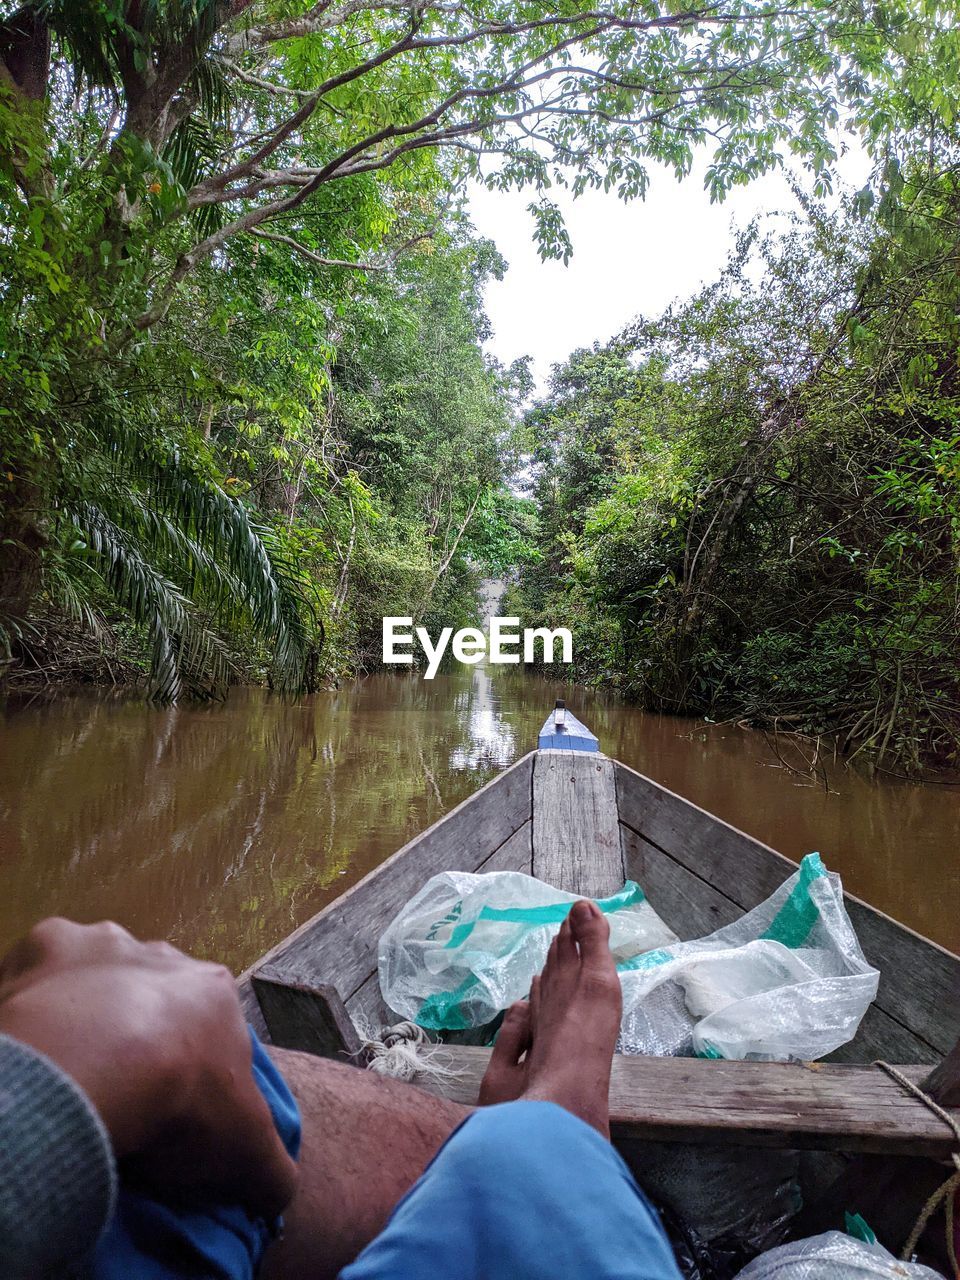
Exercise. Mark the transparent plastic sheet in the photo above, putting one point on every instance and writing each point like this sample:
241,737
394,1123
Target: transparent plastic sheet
786,980
467,945
833,1256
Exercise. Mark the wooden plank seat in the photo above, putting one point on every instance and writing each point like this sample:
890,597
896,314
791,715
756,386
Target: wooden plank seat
811,1105
814,1106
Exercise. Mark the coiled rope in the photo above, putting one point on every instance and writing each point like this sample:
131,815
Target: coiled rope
405,1052
946,1193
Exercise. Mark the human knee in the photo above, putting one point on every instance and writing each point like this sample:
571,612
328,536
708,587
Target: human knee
517,1139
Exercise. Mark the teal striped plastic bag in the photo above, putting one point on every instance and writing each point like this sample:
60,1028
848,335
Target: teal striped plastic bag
467,945
786,980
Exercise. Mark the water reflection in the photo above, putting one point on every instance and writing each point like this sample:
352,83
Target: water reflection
225,827
490,738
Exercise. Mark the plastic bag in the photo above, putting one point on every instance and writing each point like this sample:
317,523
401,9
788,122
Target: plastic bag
786,980
833,1256
732,1203
467,945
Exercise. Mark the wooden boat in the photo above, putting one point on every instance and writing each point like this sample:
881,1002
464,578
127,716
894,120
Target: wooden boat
577,819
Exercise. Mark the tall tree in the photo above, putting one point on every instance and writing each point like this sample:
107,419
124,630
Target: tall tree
147,145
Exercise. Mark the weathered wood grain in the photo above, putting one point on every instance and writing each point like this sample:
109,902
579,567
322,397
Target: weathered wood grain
312,1019
943,1083
919,982
880,1036
515,854
752,1104
251,1005
691,907
576,835
694,908
368,1009
339,944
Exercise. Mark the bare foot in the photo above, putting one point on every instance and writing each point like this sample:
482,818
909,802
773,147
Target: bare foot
559,1048
506,1075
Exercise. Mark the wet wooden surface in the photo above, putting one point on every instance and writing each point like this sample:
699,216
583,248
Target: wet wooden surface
312,1019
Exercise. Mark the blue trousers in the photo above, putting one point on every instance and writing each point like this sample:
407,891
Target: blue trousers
522,1191
150,1240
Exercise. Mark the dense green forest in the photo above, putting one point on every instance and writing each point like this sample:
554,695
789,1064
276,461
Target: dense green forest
245,408
749,507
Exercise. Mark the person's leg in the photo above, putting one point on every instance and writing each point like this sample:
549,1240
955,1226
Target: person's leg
532,1188
522,1191
366,1140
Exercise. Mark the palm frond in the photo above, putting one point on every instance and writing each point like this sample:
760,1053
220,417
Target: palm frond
92,35
69,585
88,34
211,87
222,524
14,632
191,152
185,20
193,563
185,654
173,545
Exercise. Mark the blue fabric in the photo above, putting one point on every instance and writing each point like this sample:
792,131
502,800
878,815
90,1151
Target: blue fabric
522,1191
148,1240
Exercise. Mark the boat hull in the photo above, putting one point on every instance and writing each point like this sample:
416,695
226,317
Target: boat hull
586,823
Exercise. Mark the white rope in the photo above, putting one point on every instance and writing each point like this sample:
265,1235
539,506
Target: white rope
405,1052
946,1193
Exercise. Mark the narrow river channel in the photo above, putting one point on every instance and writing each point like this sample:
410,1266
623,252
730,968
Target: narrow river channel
222,828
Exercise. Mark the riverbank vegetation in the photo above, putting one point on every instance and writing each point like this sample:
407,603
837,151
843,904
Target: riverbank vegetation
245,409
750,506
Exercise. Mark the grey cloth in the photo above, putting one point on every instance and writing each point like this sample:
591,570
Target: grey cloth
58,1179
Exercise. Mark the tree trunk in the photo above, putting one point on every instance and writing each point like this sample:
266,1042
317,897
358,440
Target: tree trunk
21,544
447,559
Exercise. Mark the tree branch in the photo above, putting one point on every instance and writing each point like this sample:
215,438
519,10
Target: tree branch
380,148
317,258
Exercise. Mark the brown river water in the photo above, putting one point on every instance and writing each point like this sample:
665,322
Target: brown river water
224,827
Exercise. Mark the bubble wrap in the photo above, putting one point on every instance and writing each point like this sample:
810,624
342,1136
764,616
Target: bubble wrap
833,1256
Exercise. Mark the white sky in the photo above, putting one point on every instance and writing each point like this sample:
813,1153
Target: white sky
628,259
